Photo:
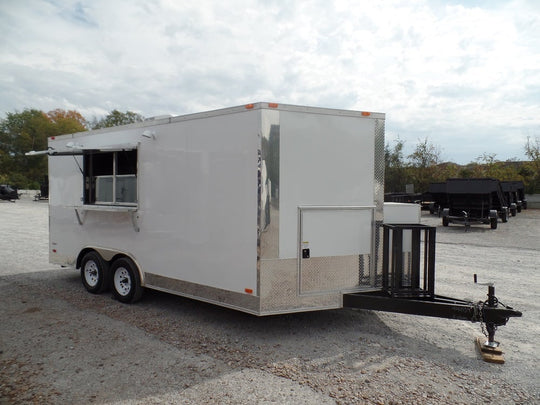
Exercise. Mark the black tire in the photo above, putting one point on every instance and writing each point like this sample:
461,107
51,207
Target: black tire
519,208
513,211
445,221
504,216
126,281
493,222
95,273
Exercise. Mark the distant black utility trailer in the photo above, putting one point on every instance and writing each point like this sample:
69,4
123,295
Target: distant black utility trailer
510,192
474,201
519,189
409,198
43,190
435,198
521,193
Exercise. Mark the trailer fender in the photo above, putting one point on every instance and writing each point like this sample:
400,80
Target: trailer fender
109,255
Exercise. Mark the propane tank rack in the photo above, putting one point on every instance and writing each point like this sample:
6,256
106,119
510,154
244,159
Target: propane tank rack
409,265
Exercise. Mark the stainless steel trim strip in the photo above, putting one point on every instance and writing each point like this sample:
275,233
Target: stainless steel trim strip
230,299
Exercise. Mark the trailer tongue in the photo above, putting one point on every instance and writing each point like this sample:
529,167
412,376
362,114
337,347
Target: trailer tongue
408,287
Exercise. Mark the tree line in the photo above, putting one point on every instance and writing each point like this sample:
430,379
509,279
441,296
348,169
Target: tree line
21,132
424,166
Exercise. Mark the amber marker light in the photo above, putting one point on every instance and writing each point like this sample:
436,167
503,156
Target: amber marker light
273,105
249,106
248,290
366,113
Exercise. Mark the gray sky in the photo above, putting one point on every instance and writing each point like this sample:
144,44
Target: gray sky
465,74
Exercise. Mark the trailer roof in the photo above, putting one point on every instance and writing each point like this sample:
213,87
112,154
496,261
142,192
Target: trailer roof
437,187
472,186
152,121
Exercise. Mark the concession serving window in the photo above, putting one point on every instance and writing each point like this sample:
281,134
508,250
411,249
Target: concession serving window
110,177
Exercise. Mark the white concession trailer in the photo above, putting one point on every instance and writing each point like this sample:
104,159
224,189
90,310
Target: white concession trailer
264,208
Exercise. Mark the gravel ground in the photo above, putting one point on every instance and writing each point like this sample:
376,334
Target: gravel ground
59,344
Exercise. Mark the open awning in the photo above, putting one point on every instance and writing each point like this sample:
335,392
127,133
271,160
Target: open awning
72,148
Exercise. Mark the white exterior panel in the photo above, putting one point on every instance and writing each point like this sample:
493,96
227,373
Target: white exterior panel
226,201
326,160
401,213
197,209
198,201
337,232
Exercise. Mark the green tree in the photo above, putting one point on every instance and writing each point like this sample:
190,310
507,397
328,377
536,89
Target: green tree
423,164
488,166
67,122
116,118
395,171
532,151
468,171
445,171
21,132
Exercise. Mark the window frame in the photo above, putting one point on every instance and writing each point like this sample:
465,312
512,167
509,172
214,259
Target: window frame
90,180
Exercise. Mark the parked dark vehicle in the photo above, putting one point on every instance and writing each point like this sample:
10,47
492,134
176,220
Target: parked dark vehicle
435,198
403,197
520,189
43,190
8,192
509,189
474,201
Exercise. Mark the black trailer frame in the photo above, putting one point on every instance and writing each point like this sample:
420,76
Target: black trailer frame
409,284
435,198
520,189
509,189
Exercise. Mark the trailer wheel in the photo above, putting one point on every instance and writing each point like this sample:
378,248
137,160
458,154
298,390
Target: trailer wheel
504,216
445,221
513,211
126,280
493,223
95,273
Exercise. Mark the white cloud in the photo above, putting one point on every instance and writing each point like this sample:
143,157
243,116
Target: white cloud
464,71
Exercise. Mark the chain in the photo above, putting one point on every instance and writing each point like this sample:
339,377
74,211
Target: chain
480,307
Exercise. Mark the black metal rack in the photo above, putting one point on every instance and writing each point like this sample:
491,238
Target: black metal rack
414,277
